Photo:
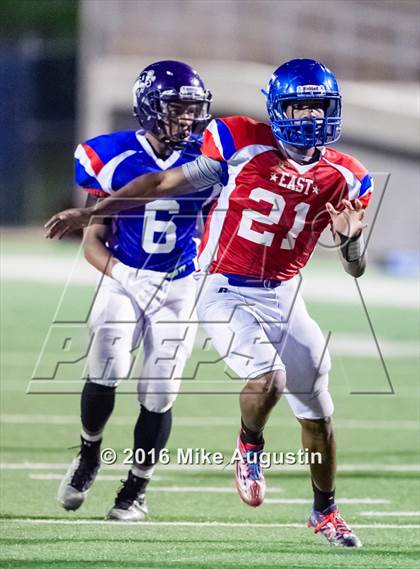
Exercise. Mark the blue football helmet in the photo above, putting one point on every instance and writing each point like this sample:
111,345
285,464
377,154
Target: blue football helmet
162,93
299,80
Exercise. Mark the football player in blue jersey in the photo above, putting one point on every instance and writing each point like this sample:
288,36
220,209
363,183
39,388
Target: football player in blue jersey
147,293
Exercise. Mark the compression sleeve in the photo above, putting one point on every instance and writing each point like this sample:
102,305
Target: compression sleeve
203,172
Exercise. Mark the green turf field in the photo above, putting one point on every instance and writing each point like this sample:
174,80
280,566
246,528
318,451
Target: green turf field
196,519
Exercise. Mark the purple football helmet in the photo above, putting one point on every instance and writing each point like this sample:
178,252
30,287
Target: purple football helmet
170,100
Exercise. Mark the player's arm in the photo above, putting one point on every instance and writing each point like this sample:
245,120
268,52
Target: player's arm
96,253
192,176
347,227
94,239
136,193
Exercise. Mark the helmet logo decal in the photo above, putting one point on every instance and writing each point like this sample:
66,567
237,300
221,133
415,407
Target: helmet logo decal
145,80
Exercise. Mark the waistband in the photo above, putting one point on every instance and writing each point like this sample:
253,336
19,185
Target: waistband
239,280
182,271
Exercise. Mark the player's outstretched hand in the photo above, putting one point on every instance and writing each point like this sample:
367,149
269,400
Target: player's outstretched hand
349,220
67,220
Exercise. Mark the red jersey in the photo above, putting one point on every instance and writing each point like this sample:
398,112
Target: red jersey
271,210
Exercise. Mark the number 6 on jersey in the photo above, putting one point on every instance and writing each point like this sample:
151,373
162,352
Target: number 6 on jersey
167,229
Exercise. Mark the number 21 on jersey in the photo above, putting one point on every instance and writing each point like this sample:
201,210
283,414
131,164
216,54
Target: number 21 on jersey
278,204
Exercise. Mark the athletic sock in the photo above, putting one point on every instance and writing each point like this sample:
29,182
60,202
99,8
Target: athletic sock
133,488
323,501
96,405
250,437
151,432
139,483
89,450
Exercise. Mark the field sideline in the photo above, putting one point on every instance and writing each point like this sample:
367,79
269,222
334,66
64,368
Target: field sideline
196,519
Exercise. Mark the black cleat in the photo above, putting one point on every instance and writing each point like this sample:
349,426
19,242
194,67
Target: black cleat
130,504
80,476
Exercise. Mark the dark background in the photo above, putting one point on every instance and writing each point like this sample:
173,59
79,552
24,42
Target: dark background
38,78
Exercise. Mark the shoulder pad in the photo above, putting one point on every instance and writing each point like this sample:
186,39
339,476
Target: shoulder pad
92,156
359,181
224,137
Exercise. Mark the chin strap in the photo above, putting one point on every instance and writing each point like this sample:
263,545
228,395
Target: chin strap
352,247
172,144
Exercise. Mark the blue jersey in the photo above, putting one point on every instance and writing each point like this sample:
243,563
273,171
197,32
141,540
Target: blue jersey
160,235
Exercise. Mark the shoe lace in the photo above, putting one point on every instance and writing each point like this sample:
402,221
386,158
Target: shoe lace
341,525
84,473
128,492
335,520
251,459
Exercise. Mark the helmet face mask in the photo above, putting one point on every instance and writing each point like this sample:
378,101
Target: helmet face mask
171,101
300,81
178,119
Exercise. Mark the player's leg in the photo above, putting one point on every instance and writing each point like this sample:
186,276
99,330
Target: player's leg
232,319
305,354
167,344
318,437
257,399
112,324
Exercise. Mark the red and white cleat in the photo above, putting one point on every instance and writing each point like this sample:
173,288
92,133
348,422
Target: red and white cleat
250,482
334,529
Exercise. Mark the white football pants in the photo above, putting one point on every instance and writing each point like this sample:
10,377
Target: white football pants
118,325
257,330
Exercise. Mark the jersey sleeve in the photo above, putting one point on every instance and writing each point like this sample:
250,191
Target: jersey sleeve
359,181
362,187
204,172
366,190
93,159
361,184
224,138
88,166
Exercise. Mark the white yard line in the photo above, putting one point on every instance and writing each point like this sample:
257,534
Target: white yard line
218,490
100,477
340,501
194,524
175,489
368,467
363,345
390,514
203,422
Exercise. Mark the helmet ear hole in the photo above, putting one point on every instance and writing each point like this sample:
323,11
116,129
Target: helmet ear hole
153,102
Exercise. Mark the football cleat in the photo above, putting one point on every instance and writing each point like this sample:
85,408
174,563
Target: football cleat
130,505
250,482
75,485
334,528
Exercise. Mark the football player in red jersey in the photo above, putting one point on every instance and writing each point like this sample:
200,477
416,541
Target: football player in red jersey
283,186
